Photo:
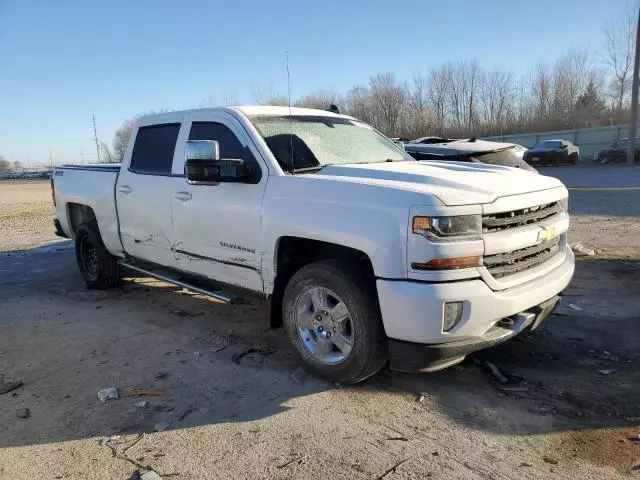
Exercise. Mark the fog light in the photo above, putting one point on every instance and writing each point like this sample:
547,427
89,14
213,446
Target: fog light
452,315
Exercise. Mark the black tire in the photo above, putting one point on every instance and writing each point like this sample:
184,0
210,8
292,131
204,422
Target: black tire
573,159
98,267
356,289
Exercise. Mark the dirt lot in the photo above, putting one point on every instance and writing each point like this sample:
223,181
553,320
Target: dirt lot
571,409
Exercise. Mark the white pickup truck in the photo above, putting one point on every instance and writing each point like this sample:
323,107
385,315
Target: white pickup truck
367,255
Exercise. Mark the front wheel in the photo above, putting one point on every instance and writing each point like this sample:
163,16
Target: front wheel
98,267
331,314
573,159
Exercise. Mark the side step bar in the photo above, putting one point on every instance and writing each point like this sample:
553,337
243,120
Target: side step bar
218,295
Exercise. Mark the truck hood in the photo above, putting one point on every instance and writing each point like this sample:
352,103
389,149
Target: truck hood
454,183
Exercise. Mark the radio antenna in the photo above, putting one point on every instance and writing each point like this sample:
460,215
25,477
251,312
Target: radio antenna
290,118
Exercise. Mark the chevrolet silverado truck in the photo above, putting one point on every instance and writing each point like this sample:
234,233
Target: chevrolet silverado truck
367,256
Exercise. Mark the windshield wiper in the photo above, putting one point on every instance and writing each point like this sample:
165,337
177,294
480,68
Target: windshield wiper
314,168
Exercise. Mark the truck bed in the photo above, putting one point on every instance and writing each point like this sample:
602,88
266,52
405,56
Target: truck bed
92,185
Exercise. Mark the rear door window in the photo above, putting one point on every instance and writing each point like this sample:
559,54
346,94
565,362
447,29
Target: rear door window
153,149
229,145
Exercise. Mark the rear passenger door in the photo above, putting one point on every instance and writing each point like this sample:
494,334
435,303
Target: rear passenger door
143,194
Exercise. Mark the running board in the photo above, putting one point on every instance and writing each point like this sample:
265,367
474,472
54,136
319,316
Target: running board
224,297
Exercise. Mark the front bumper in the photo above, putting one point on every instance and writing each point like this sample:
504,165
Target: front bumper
544,158
414,357
412,314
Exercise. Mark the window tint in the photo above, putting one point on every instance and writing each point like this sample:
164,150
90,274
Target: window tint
153,150
229,145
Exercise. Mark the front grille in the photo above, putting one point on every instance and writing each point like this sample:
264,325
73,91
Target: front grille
516,218
503,264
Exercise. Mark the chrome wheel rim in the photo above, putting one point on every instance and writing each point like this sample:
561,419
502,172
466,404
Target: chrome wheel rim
324,325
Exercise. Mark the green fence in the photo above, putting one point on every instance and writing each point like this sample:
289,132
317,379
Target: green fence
590,140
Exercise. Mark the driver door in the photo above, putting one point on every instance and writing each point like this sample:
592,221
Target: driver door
217,228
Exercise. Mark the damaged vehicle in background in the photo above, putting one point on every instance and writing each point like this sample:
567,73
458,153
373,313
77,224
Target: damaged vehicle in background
617,151
552,153
468,150
366,255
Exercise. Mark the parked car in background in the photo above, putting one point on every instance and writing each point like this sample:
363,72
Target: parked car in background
468,150
367,255
552,152
617,151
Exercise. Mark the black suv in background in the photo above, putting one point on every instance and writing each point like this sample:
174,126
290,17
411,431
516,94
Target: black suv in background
552,152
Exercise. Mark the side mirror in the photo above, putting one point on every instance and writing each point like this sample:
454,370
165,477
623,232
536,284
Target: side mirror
203,165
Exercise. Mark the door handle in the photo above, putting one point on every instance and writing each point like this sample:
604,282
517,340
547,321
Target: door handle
126,189
184,196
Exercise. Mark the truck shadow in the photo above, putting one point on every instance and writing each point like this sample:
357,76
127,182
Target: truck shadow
212,363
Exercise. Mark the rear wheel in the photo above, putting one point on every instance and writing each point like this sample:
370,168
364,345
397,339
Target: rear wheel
331,314
98,267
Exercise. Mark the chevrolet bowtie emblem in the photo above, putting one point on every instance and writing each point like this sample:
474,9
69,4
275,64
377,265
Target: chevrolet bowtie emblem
546,234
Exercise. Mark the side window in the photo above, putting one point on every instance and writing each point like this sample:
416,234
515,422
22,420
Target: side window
153,150
230,146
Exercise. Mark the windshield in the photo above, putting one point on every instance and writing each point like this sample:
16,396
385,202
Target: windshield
549,144
319,141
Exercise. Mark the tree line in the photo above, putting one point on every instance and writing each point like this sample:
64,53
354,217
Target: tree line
580,89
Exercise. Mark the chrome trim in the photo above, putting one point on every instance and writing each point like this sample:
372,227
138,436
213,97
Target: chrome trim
226,298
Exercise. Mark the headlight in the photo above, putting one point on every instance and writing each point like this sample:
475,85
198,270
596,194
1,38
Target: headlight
448,229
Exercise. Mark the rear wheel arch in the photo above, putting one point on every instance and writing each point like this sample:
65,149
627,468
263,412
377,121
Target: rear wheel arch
79,214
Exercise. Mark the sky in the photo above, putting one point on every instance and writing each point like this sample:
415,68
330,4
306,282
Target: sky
63,62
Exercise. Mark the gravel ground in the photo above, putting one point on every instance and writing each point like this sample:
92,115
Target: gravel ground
26,214
233,409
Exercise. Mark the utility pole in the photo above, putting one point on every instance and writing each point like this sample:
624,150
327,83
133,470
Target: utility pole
50,160
634,99
81,155
95,137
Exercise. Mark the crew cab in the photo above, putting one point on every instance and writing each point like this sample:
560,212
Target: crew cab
367,255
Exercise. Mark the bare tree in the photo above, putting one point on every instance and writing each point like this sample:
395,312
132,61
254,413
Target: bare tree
357,103
387,101
221,99
438,93
618,54
105,153
320,99
418,118
463,95
121,139
267,95
16,165
496,95
541,90
4,163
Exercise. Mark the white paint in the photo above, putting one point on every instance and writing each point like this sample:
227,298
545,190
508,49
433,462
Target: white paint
367,207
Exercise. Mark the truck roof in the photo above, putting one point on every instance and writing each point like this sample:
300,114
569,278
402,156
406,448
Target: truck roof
248,110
